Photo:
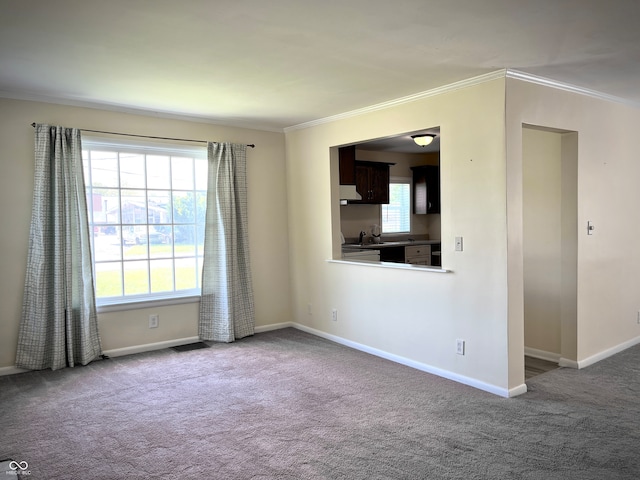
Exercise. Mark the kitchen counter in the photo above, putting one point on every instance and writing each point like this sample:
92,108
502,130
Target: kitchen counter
379,246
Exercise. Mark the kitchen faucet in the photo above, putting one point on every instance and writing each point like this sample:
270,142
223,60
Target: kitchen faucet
361,238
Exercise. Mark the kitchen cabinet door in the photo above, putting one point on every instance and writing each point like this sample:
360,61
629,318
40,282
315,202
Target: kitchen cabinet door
379,184
362,184
392,254
372,182
426,189
418,255
347,156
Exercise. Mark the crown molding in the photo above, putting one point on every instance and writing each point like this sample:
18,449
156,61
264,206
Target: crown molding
113,107
487,77
567,87
503,73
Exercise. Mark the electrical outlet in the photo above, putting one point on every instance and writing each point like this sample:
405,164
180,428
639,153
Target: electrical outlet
460,346
334,315
154,320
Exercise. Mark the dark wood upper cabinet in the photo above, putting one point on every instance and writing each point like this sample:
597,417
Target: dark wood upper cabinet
347,157
372,182
370,178
426,189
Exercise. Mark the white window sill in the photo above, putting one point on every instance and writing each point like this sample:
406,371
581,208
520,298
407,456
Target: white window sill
397,266
151,303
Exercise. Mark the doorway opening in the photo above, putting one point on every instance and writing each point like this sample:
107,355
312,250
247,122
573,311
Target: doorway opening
550,246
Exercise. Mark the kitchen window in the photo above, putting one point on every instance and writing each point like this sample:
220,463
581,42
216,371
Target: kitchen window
146,212
396,216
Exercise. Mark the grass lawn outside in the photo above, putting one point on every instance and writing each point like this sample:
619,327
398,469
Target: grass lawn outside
109,276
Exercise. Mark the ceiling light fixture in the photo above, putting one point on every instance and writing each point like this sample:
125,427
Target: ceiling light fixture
424,139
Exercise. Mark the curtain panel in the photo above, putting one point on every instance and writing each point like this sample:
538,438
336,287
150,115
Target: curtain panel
226,305
59,326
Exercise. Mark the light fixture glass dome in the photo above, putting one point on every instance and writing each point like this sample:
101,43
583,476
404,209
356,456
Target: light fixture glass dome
424,139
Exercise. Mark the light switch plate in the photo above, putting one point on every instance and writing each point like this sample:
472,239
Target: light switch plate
458,244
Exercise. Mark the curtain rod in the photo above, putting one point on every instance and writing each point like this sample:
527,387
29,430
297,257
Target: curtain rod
252,145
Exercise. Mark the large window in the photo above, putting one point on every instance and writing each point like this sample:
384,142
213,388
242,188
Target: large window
147,212
396,216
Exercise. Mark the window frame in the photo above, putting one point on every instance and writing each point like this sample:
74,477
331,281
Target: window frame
398,180
167,297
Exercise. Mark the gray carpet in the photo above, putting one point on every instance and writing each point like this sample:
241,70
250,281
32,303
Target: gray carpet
289,405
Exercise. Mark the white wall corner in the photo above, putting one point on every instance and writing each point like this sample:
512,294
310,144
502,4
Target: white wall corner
565,362
273,326
519,390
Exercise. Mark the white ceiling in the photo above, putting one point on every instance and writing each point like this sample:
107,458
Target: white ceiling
279,63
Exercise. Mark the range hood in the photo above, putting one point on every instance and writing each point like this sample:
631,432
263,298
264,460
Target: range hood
348,192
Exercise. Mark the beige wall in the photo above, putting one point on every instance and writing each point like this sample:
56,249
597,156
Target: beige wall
414,315
267,219
607,300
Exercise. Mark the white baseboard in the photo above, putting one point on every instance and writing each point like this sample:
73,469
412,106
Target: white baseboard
11,370
472,382
519,390
503,392
148,347
565,362
273,326
608,353
542,354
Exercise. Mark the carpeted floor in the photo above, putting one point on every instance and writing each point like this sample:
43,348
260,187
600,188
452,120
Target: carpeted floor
288,405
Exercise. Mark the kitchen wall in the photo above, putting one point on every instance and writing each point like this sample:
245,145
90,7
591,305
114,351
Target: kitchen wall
354,218
413,316
129,328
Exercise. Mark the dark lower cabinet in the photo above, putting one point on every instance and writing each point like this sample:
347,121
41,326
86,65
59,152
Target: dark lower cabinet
436,256
392,254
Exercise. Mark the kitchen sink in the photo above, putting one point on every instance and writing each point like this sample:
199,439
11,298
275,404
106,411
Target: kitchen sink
363,245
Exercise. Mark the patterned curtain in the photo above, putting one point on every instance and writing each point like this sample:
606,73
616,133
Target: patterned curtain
226,306
59,326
